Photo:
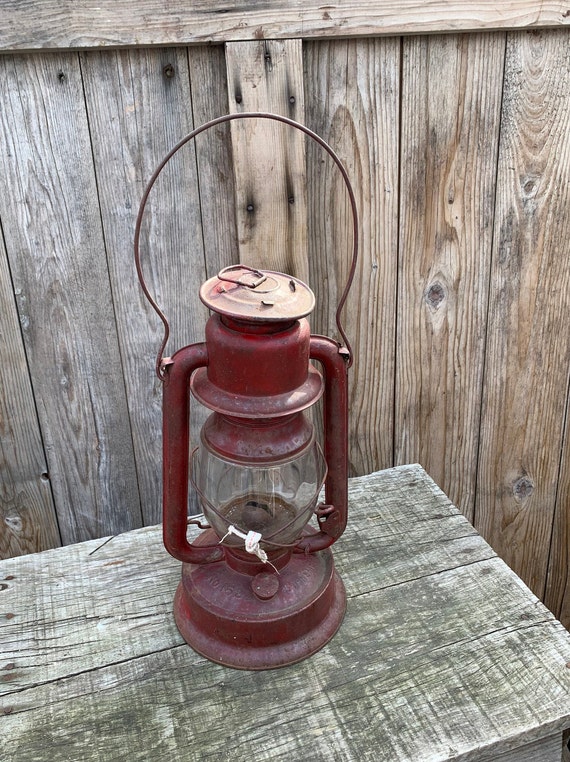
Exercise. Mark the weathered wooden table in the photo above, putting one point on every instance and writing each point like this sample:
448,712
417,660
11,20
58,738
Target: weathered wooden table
443,655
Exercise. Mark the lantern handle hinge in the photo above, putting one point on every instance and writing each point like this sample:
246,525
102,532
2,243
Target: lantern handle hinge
165,362
322,511
206,126
329,520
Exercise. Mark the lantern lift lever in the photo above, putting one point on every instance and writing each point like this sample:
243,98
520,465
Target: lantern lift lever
257,277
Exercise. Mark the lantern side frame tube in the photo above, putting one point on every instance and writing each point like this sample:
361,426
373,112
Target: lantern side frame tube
176,444
335,368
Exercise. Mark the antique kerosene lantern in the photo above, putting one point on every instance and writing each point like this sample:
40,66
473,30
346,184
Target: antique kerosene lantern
259,588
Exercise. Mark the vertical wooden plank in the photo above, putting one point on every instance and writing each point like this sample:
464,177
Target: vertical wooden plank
214,157
528,353
352,101
557,594
27,513
269,158
139,104
451,96
53,236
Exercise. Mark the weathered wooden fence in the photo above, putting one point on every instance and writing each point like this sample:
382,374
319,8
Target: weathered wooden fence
458,146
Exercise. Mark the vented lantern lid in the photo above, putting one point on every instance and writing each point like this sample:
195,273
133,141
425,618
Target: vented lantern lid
243,293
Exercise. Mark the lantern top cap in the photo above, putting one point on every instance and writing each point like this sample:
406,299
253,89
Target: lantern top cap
242,293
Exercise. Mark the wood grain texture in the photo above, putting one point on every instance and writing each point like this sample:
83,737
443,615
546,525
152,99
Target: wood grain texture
117,630
37,24
557,594
140,106
27,514
354,106
450,125
269,157
462,662
528,353
545,750
54,242
214,157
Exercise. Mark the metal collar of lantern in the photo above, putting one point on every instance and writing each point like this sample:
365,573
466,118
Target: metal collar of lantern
259,588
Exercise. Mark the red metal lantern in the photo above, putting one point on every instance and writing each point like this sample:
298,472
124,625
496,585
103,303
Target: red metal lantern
259,588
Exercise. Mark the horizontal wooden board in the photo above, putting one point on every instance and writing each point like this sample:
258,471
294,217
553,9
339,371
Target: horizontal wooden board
174,705
43,24
97,629
452,659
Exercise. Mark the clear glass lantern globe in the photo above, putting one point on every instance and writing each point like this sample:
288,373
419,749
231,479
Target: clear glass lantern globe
276,500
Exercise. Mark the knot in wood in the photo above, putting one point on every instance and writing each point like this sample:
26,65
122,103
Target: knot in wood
435,295
523,488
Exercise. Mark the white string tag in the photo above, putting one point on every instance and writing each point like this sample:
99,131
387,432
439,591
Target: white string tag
251,542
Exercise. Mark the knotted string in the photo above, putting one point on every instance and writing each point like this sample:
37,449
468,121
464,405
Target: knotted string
251,543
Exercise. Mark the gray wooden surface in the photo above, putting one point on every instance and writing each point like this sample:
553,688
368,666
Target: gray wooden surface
43,24
444,654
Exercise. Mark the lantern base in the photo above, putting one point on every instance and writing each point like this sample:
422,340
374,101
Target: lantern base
263,621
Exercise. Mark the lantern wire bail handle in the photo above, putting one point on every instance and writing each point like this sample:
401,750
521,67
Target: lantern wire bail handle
347,350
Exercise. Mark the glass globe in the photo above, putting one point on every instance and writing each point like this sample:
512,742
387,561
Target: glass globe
276,499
